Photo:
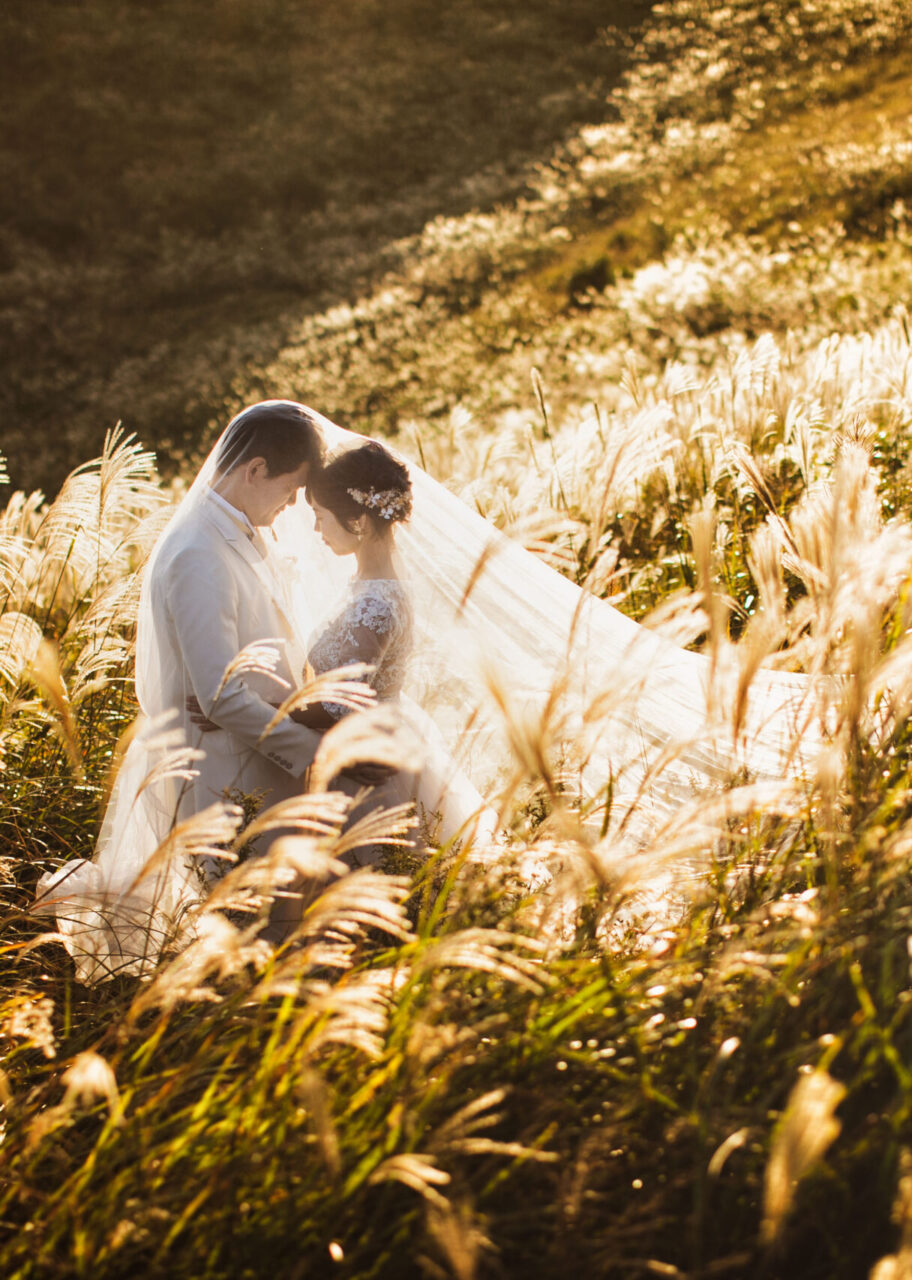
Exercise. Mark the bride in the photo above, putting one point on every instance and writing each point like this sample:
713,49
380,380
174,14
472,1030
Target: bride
509,661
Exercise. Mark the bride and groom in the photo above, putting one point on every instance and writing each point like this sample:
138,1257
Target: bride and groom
223,583
459,628
228,623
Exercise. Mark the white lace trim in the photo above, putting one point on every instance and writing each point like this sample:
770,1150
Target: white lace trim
381,606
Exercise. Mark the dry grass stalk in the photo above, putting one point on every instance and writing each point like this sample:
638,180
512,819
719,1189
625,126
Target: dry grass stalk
45,671
207,834
342,685
260,657
376,736
806,1130
494,951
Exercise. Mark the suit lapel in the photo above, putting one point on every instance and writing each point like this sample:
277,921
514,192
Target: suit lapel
243,544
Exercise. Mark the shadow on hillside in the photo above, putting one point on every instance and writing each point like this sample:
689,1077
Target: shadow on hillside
183,181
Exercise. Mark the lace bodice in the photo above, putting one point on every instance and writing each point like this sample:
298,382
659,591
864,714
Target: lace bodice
373,625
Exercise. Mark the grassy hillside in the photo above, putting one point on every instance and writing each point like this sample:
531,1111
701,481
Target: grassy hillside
455,1074
176,178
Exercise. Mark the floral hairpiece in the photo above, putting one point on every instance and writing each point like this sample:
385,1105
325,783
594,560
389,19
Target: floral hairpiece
388,503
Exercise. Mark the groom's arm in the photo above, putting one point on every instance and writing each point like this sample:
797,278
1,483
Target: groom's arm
203,602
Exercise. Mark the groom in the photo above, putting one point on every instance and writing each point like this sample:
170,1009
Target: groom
213,592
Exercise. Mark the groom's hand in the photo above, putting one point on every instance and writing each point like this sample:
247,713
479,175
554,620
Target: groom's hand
368,774
198,717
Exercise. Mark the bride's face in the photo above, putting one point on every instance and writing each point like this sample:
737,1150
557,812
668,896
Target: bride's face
333,532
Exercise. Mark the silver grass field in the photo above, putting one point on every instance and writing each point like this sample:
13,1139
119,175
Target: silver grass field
558,1063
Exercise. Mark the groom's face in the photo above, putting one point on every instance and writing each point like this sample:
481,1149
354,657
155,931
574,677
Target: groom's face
270,494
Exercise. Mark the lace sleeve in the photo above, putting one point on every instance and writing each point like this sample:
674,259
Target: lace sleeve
362,633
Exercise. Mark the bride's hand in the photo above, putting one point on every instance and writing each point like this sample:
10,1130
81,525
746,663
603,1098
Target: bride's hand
198,717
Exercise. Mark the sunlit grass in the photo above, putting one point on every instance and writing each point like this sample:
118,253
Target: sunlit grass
447,1063
459,1069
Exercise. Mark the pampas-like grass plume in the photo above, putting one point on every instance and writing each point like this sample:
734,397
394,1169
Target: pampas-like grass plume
341,685
207,834
376,736
807,1128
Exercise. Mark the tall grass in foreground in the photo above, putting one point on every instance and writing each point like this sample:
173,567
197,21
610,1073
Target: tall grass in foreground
448,1073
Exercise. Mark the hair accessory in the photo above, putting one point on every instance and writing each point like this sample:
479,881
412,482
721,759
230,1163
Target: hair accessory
388,503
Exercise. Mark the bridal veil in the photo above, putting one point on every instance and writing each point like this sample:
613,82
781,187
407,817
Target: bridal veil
513,662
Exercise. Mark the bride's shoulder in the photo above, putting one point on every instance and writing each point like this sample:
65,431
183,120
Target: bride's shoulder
379,599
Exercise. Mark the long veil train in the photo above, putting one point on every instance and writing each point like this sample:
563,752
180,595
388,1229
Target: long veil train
505,640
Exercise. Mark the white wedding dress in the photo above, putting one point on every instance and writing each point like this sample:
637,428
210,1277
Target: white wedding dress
370,626
469,645
373,625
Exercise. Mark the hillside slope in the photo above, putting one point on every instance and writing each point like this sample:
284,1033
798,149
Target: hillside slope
174,177
626,246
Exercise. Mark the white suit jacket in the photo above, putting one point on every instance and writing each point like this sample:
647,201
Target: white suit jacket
212,594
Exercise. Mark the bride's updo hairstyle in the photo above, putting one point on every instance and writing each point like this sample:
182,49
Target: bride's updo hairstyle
282,432
365,480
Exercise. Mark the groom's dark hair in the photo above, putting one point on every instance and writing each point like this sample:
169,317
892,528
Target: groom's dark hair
282,432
